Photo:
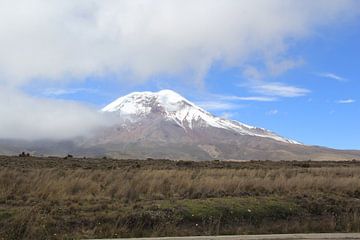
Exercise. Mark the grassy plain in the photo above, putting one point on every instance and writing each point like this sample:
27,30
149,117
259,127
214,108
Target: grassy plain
56,198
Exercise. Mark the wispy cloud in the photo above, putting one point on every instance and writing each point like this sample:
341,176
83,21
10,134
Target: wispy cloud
272,112
227,115
277,89
346,101
279,67
229,102
67,91
251,98
271,90
332,76
217,105
252,73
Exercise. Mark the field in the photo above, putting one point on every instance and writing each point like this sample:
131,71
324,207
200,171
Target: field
56,198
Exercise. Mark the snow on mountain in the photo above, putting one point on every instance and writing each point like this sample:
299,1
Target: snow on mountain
173,107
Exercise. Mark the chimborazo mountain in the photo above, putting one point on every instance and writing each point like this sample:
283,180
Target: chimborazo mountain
166,125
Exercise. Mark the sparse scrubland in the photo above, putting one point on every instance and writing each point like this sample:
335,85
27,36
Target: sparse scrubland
55,198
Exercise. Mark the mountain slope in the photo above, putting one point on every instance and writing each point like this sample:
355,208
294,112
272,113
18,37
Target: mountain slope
173,107
165,125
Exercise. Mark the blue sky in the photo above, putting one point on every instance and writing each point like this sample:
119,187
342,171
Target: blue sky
297,74
328,115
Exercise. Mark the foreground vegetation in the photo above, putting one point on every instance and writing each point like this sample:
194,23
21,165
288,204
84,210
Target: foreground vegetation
55,198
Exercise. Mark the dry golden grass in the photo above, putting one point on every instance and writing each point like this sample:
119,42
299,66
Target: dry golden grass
149,184
53,198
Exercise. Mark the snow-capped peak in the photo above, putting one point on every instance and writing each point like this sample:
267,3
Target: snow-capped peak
173,107
138,104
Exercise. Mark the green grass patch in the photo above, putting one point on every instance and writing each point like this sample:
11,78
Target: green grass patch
231,208
5,215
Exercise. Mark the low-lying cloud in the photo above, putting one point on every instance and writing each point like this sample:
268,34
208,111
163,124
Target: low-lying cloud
25,117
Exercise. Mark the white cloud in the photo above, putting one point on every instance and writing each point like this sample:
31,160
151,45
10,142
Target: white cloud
279,90
67,91
346,101
58,39
332,76
229,102
251,98
25,117
273,112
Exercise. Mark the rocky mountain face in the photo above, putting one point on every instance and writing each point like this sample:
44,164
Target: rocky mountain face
166,125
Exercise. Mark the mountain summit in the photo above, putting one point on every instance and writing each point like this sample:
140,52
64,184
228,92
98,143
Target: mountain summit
172,107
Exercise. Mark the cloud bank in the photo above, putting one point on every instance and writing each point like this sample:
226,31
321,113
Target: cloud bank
24,117
58,39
